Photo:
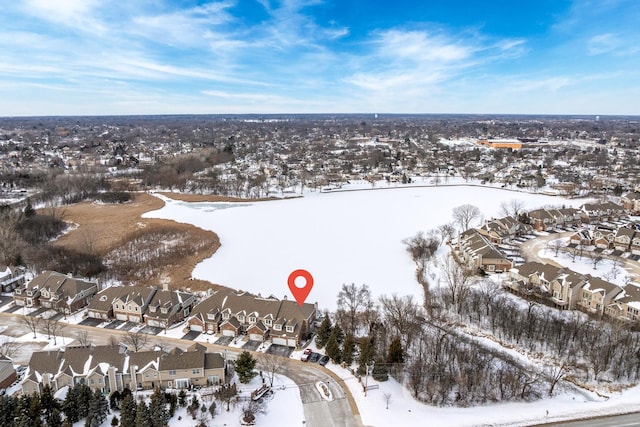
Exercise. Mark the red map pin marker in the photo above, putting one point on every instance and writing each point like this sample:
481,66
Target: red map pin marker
300,293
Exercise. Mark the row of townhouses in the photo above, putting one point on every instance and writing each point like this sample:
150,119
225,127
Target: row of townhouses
566,289
11,278
226,312
479,248
622,239
234,313
112,367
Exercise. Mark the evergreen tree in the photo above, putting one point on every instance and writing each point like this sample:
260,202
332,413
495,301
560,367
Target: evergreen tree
70,405
158,409
55,419
333,348
348,348
143,418
244,367
98,409
84,400
35,410
182,398
7,410
28,210
212,409
367,354
396,354
115,421
322,335
48,403
114,399
380,371
128,411
173,404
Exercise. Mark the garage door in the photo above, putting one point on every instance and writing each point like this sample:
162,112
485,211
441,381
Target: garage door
197,328
279,341
134,319
291,342
155,323
228,333
255,337
121,317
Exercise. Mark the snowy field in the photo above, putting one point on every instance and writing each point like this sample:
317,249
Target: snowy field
339,237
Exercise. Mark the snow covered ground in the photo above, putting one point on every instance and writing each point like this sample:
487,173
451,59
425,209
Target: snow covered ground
339,237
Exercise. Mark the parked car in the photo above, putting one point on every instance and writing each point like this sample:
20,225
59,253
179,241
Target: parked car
323,360
305,354
313,358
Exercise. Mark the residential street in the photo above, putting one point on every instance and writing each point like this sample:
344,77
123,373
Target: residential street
341,410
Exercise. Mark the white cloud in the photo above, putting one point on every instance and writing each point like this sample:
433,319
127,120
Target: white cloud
603,43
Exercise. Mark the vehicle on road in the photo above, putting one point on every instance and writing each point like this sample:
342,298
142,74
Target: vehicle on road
305,354
313,358
323,360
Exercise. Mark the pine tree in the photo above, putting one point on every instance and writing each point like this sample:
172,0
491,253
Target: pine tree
84,400
158,409
182,398
396,354
322,335
244,367
48,404
173,404
143,418
348,348
98,409
55,419
367,354
70,405
35,410
7,407
380,371
28,210
128,411
333,348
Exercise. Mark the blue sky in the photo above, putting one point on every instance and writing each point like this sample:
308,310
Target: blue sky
77,57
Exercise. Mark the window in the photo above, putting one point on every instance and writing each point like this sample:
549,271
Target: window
172,372
137,308
211,316
289,328
169,384
152,309
163,310
252,319
241,318
91,381
186,312
267,322
129,307
225,316
116,306
277,327
196,371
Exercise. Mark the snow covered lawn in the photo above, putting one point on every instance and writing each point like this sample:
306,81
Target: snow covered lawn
340,237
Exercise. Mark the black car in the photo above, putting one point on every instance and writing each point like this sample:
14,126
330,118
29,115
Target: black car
323,360
313,358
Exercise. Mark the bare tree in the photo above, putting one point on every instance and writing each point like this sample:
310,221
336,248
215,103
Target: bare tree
512,208
421,248
466,214
556,245
446,231
457,281
33,323
272,364
352,302
387,399
403,316
595,259
82,336
489,291
52,328
135,340
8,346
557,374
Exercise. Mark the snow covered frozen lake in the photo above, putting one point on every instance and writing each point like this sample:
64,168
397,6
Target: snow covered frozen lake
339,237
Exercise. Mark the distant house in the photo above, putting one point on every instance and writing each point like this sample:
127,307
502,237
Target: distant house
155,307
623,238
233,313
56,291
598,212
631,202
476,250
11,278
8,374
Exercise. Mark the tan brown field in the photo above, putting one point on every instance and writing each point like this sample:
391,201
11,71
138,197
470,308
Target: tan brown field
108,229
